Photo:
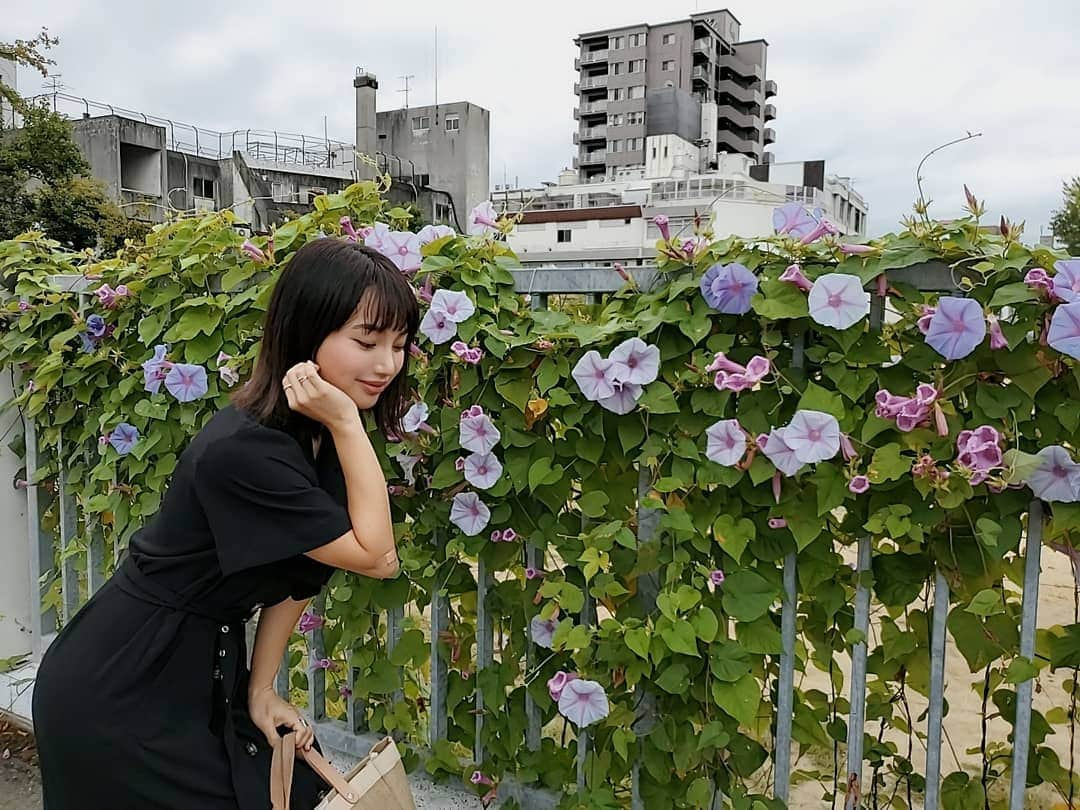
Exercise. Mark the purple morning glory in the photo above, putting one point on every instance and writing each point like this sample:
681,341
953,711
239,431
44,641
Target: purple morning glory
433,233
483,219
403,249
437,326
482,470
956,327
95,326
310,621
469,513
726,443
813,436
186,381
156,369
415,418
123,438
595,376
793,218
838,300
624,399
477,433
377,237
776,449
728,288
1064,333
1057,477
541,631
583,703
456,305
635,361
1066,281
557,682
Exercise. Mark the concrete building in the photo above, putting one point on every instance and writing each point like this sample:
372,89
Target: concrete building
693,78
570,223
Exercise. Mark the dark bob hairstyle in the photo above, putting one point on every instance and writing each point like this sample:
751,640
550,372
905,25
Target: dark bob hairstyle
316,294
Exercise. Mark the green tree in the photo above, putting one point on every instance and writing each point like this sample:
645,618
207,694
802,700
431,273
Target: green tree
1066,220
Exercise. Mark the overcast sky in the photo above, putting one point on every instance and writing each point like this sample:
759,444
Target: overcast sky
867,86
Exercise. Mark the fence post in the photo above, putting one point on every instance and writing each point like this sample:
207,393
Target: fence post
440,621
937,691
69,529
316,675
532,711
42,621
485,640
648,586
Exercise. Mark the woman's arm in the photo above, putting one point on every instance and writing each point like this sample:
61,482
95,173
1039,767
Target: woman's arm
268,710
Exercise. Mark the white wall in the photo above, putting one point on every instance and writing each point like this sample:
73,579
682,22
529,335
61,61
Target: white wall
669,155
789,174
14,547
542,237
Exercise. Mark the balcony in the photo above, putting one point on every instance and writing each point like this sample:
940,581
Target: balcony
728,141
740,67
770,88
594,57
706,46
595,158
770,112
594,82
704,74
770,136
593,133
747,95
595,108
736,117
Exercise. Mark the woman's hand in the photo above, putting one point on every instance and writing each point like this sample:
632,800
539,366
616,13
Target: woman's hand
315,398
268,711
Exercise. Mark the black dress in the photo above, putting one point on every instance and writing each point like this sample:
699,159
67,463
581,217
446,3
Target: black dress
141,701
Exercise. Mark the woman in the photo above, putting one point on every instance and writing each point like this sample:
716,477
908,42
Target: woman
145,700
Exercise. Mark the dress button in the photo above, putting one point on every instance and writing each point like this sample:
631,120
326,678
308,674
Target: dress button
251,749
217,673
224,628
221,653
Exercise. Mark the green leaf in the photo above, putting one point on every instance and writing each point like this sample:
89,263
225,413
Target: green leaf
538,472
658,398
515,389
680,638
816,398
700,793
412,646
733,535
637,639
1013,294
152,408
748,595
593,504
675,679
150,327
740,698
706,625
986,602
778,299
1065,648
831,487
728,661
888,464
1020,669
714,735
1021,465
631,434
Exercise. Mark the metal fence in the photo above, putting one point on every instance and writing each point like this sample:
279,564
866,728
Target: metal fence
85,560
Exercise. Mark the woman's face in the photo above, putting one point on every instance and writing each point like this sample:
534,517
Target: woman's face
360,361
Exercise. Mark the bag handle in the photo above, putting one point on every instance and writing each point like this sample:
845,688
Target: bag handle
281,773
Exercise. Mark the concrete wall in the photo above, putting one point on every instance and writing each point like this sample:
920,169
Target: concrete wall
15,638
457,162
99,141
669,155
673,111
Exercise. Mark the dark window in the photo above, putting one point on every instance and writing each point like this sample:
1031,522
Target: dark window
563,235
204,187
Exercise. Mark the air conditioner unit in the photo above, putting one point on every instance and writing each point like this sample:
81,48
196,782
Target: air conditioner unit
204,205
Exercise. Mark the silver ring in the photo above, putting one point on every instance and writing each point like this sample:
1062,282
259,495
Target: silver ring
301,379
303,722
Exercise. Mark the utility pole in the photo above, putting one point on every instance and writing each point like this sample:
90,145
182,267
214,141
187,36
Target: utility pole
406,79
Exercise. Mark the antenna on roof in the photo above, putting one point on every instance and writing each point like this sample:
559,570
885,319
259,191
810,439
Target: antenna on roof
436,69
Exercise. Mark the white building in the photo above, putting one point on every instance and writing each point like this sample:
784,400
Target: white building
598,223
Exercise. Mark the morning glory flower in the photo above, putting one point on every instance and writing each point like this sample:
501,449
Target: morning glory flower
478,433
437,326
793,218
228,374
376,236
310,621
455,305
483,219
408,466
595,376
726,444
956,328
186,381
838,300
482,470
95,326
775,447
88,343
997,337
857,250
821,229
733,377
1064,334
859,484
156,369
348,229
583,703
635,361
1066,281
557,682
1039,279
926,314
624,399
469,513
794,275
415,418
253,251
979,450
403,249
717,577
124,438
433,233
813,436
470,356
728,288
662,224
541,631
1057,477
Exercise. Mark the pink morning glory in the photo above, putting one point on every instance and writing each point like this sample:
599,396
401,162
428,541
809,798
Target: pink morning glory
437,326
1064,334
1039,279
1066,281
478,433
624,399
979,450
717,577
468,355
533,573
595,376
557,682
478,778
123,438
541,631
662,224
433,233
847,449
155,369
775,447
777,523
483,219
457,306
997,337
793,218
348,229
838,300
408,466
324,663
376,236
228,374
583,703
310,621
721,363
926,314
403,249
469,513
857,250
726,443
109,297
728,288
813,436
821,229
415,418
635,361
956,328
186,381
794,275
859,484
1057,477
252,250
733,377
509,535
482,470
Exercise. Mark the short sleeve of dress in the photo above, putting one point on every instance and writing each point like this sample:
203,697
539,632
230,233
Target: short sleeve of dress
263,502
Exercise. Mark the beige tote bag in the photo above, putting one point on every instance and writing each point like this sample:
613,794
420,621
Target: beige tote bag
378,781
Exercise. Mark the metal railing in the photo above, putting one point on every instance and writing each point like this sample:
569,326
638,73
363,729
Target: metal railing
85,560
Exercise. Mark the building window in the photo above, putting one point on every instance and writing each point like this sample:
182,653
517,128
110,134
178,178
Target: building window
614,146
654,153
615,120
667,65
636,66
313,192
665,151
636,40
421,123
617,43
668,39
616,69
615,94
278,192
563,235
442,212
637,91
635,118
635,144
453,123
204,187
